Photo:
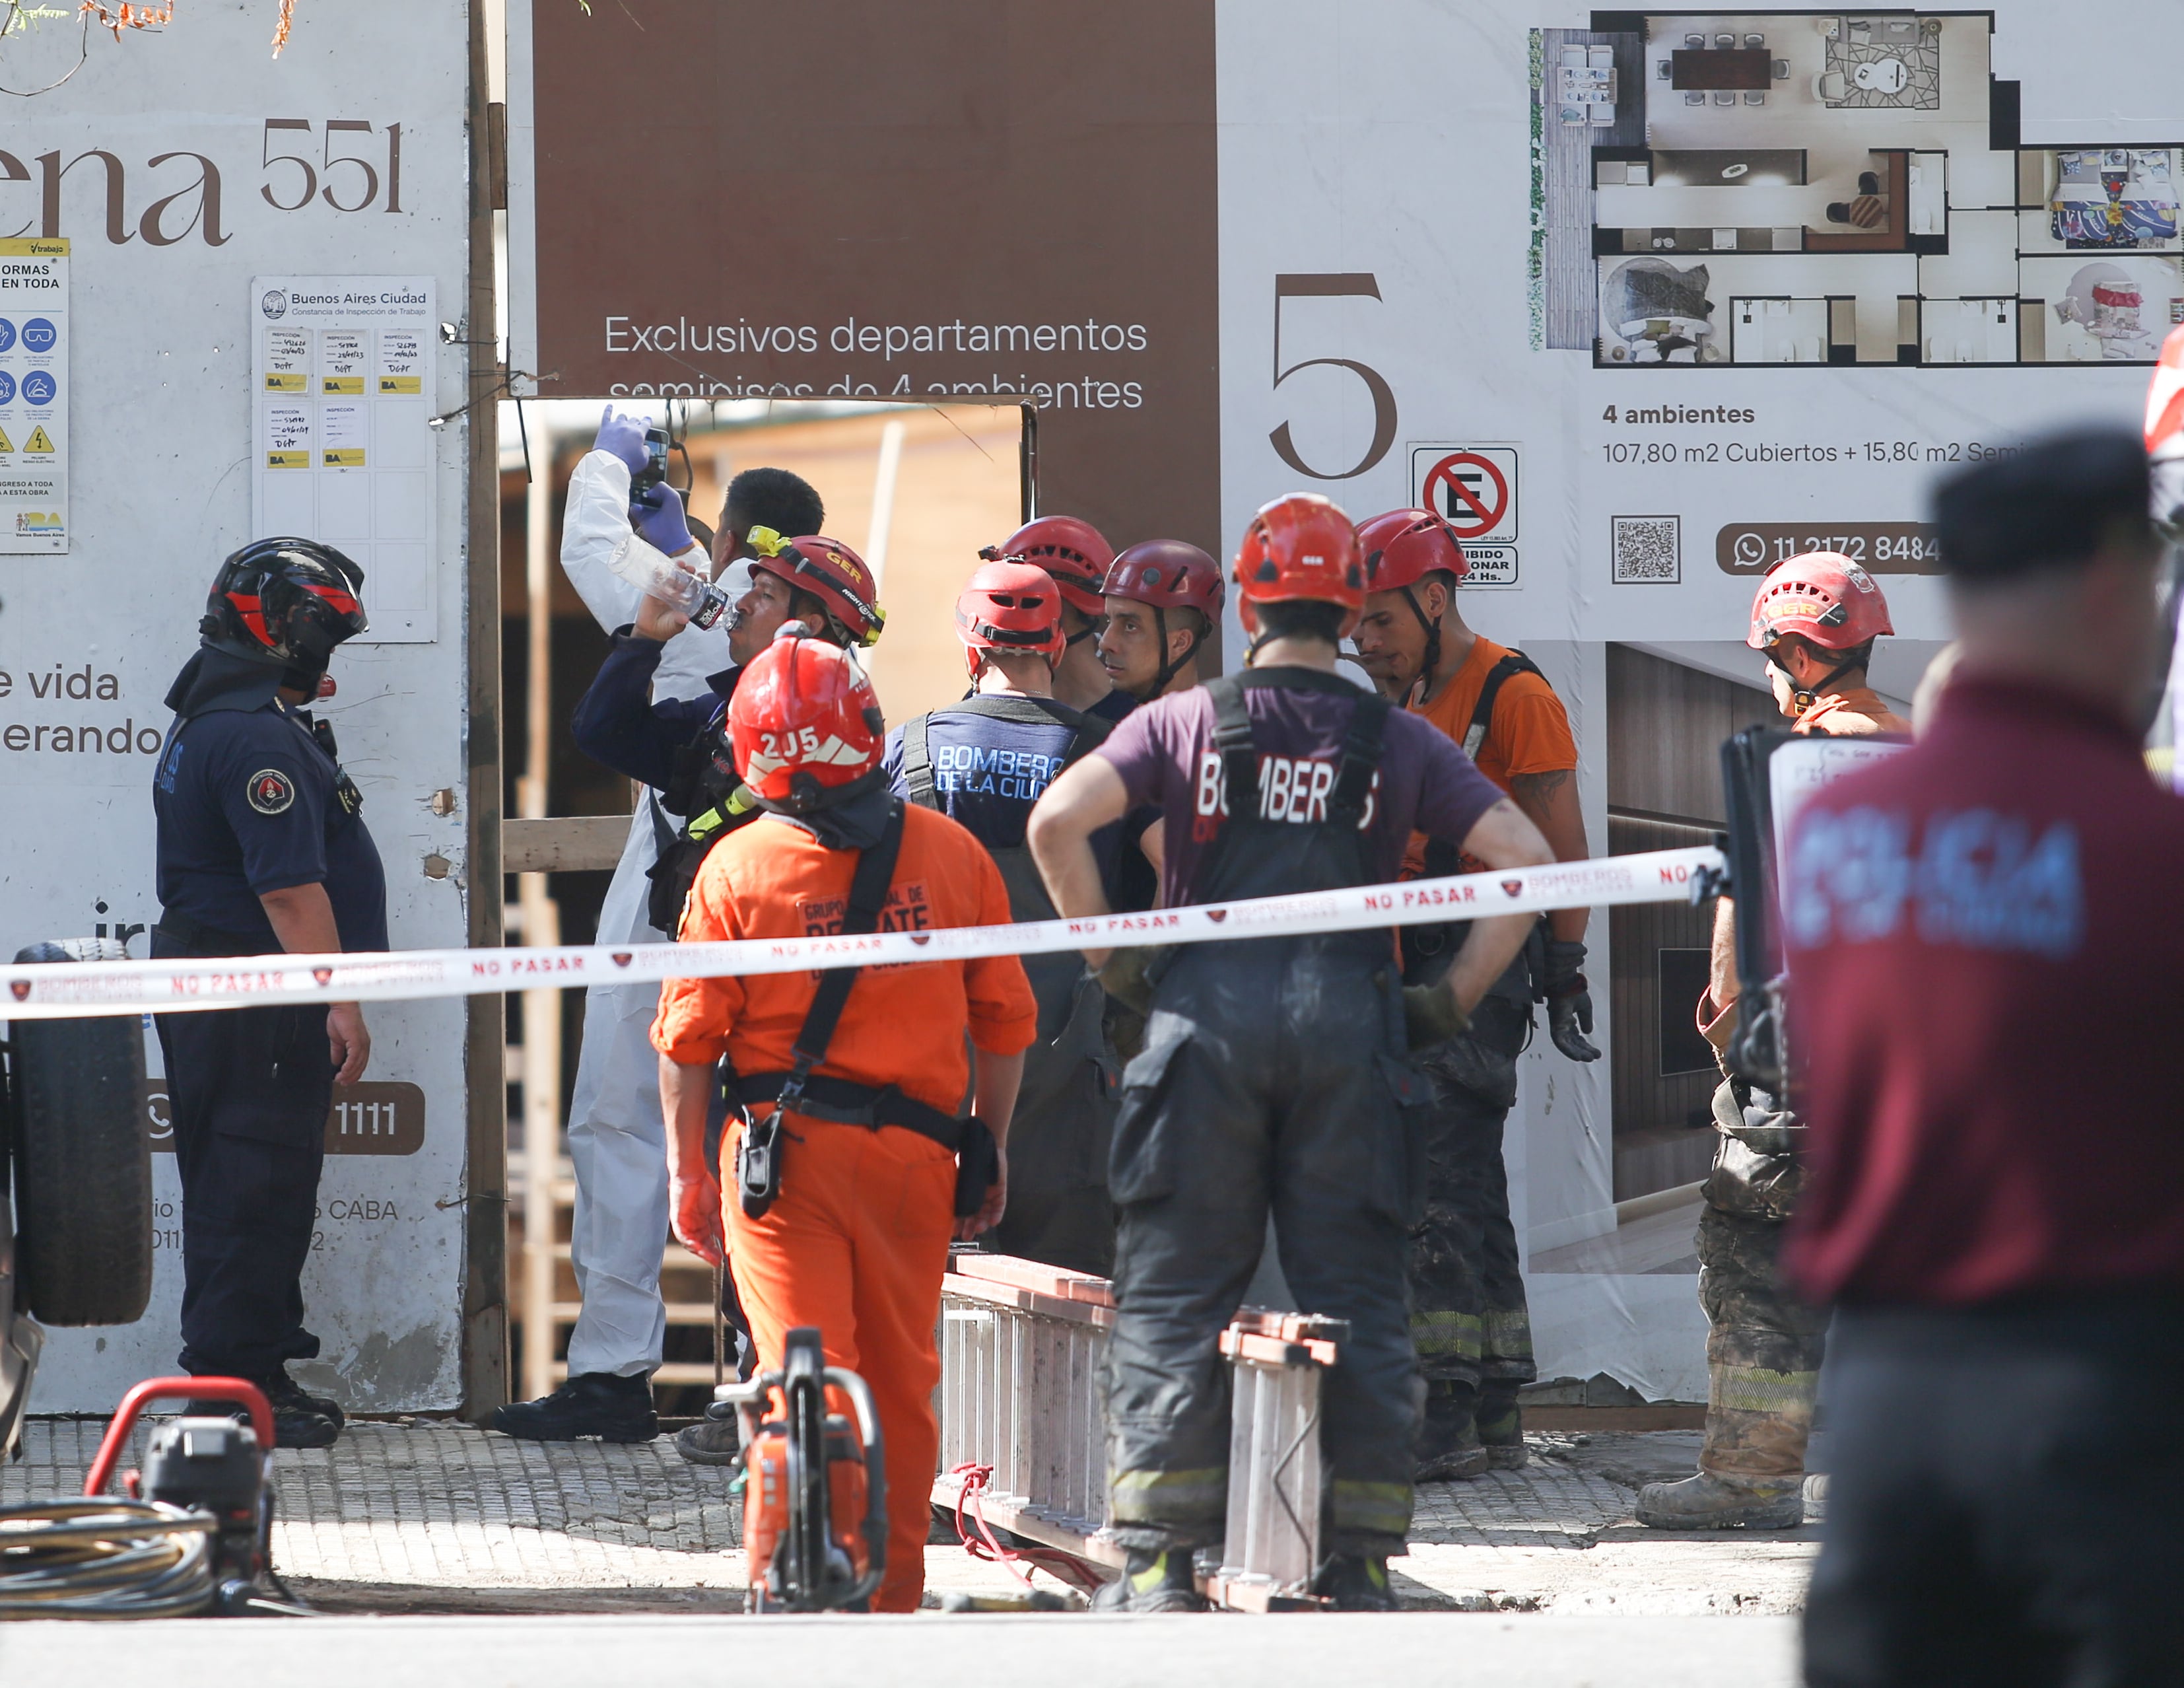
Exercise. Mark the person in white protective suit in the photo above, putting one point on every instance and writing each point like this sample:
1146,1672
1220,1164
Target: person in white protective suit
616,1137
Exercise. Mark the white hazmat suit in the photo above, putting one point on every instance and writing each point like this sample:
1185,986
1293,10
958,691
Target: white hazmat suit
617,1138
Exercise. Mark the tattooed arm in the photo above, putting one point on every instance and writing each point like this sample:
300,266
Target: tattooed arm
1549,800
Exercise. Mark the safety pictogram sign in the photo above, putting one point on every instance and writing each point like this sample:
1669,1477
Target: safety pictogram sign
1473,486
34,398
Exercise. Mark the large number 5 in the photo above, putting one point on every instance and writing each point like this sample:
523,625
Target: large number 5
1354,284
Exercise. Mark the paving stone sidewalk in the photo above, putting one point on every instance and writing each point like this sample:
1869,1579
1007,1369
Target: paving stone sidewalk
432,1516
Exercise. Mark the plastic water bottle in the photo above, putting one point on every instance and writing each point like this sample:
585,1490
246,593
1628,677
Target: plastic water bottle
653,575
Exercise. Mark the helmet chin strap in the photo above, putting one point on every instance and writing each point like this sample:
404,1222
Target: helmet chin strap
1805,696
1433,641
1173,665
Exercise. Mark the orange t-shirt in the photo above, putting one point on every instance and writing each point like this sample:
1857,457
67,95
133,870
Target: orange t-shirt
1529,732
905,1022
1855,712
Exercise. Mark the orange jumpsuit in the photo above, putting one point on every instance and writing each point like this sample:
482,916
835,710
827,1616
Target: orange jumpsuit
857,1242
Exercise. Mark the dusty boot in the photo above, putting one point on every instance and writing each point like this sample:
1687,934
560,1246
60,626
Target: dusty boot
1712,1501
715,1440
1501,1425
1355,1582
1449,1447
1152,1581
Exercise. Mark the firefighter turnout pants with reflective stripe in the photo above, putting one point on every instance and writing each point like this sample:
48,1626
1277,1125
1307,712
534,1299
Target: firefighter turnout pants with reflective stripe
1763,1344
857,1243
1271,1080
1468,1313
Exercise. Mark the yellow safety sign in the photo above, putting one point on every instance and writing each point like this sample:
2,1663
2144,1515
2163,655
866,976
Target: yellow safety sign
38,442
6,443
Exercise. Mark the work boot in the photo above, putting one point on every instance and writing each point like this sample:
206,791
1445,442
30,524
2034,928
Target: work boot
600,1403
1501,1423
294,1425
1355,1582
283,1390
714,1439
1449,1447
1716,1500
1152,1580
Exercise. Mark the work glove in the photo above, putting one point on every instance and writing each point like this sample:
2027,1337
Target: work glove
658,519
623,437
1431,1017
1123,978
1570,1000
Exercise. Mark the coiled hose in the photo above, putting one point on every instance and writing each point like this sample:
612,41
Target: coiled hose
99,1557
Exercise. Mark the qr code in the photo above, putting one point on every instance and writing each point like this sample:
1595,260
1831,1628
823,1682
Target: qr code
1648,550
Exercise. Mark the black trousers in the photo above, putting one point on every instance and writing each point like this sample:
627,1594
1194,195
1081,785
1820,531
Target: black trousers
2003,1498
1269,1081
1468,1312
249,1090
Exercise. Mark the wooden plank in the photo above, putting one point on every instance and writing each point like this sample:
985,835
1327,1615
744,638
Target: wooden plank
563,843
1046,1280
999,1294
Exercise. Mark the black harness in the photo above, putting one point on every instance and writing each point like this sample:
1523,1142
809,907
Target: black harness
840,1101
1029,711
1240,757
705,787
1428,950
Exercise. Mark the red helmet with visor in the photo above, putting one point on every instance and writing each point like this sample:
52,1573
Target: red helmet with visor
830,572
805,723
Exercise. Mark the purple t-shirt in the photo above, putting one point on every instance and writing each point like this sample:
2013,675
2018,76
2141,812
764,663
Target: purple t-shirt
1166,755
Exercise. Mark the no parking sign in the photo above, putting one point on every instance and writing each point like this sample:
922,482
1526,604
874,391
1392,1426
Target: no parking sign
1475,488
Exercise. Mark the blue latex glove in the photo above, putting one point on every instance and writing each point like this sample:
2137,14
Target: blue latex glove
624,436
658,519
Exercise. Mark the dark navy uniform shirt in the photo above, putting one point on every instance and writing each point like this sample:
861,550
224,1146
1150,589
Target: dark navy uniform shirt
619,723
247,803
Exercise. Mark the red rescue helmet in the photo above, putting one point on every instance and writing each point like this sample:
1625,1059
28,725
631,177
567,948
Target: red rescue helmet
805,722
1011,607
1822,596
1073,551
830,572
1403,546
1302,547
1168,574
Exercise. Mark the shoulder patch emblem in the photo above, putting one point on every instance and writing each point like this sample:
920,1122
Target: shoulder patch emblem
271,791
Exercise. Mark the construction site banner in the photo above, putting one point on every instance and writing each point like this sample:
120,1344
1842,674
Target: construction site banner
172,165
1642,303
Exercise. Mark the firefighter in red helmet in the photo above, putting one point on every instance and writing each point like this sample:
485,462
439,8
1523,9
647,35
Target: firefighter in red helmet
985,762
1468,1309
1163,599
1274,1078
1816,617
1077,556
839,1089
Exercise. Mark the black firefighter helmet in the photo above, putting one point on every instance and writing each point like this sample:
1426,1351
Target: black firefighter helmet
284,600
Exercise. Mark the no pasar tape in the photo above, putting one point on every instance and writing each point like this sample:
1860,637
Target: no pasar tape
74,989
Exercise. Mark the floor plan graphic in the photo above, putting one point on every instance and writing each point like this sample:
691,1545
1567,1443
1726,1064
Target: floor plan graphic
1715,188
